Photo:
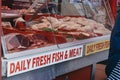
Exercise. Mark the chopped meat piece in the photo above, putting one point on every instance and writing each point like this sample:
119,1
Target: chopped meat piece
39,39
20,24
11,41
16,40
24,41
19,42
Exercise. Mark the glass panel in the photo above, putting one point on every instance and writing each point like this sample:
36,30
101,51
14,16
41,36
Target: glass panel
20,33
41,25
84,19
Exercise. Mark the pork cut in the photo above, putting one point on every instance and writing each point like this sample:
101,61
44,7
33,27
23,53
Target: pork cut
16,40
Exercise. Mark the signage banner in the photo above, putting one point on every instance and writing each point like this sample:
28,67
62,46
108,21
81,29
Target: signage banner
97,47
21,65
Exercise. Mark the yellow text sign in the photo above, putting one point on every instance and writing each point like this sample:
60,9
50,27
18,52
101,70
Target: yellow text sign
97,47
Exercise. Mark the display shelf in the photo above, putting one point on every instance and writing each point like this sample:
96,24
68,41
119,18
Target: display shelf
84,41
81,34
58,40
27,52
73,59
50,48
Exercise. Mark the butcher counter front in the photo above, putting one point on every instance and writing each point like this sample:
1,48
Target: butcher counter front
58,62
45,46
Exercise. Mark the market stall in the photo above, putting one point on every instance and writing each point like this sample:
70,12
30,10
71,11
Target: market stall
43,42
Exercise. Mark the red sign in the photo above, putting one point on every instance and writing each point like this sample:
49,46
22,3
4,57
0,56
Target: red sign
21,65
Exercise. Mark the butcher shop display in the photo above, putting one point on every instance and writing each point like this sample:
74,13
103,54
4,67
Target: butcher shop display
77,27
28,28
17,40
49,30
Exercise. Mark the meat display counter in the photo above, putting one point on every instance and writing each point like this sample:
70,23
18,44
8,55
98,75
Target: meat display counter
55,63
53,44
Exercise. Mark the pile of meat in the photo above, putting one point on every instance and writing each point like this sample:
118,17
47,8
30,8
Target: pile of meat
75,28
18,42
77,24
23,37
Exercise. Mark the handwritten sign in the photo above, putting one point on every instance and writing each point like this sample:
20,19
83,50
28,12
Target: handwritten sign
97,47
21,65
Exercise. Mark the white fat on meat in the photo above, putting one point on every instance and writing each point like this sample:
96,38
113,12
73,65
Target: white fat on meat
41,26
56,24
72,23
65,19
86,28
69,26
82,21
74,19
101,29
52,19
